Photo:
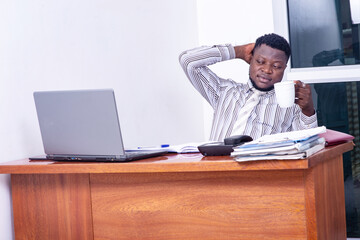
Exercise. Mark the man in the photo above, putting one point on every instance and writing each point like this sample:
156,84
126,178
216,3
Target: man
251,108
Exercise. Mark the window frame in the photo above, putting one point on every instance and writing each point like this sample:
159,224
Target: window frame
326,74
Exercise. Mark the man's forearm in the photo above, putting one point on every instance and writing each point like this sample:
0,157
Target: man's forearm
204,56
195,62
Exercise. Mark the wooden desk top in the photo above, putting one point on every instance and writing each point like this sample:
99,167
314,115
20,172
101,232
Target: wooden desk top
169,163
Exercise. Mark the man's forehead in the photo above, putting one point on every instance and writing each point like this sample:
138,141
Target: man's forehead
267,51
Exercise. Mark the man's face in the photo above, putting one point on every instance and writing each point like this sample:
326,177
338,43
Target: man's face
267,66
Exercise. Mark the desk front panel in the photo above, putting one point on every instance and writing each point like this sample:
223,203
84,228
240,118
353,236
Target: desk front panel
212,205
52,206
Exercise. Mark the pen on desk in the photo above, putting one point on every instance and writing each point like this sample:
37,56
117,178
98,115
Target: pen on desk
156,147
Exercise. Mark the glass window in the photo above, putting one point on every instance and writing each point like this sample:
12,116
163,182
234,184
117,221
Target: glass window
323,32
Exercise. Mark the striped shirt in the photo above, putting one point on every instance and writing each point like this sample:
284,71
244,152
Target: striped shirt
227,97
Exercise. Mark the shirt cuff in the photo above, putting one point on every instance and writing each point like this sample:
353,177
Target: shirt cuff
309,122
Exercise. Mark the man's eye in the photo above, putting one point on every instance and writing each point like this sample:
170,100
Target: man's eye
260,61
277,67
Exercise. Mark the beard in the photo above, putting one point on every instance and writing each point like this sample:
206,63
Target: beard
261,89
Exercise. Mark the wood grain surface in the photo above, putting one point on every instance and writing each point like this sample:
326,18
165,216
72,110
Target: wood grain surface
52,206
181,197
169,163
325,200
245,205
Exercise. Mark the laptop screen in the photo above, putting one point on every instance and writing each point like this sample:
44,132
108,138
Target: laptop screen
79,122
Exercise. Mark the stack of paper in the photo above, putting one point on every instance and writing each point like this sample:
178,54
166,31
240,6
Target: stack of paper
289,145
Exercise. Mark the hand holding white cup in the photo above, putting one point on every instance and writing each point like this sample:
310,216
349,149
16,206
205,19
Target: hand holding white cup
285,93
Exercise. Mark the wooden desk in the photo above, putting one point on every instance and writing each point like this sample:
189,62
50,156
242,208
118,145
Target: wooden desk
181,197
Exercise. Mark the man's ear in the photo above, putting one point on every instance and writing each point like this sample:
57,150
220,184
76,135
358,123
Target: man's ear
248,60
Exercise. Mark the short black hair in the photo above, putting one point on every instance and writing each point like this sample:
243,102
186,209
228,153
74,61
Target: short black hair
275,41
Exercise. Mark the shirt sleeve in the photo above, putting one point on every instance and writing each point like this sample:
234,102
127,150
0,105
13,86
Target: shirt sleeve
194,63
301,121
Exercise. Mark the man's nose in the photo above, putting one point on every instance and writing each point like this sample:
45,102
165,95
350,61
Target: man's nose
267,69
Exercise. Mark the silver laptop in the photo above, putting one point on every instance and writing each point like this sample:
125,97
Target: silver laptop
82,125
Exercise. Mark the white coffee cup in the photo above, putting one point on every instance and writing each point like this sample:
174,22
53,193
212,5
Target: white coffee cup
285,93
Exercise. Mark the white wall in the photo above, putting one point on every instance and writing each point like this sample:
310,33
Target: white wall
131,46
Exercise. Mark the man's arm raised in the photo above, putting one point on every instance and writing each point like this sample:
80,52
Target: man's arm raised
244,52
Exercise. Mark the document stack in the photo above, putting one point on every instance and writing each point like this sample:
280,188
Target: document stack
288,145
